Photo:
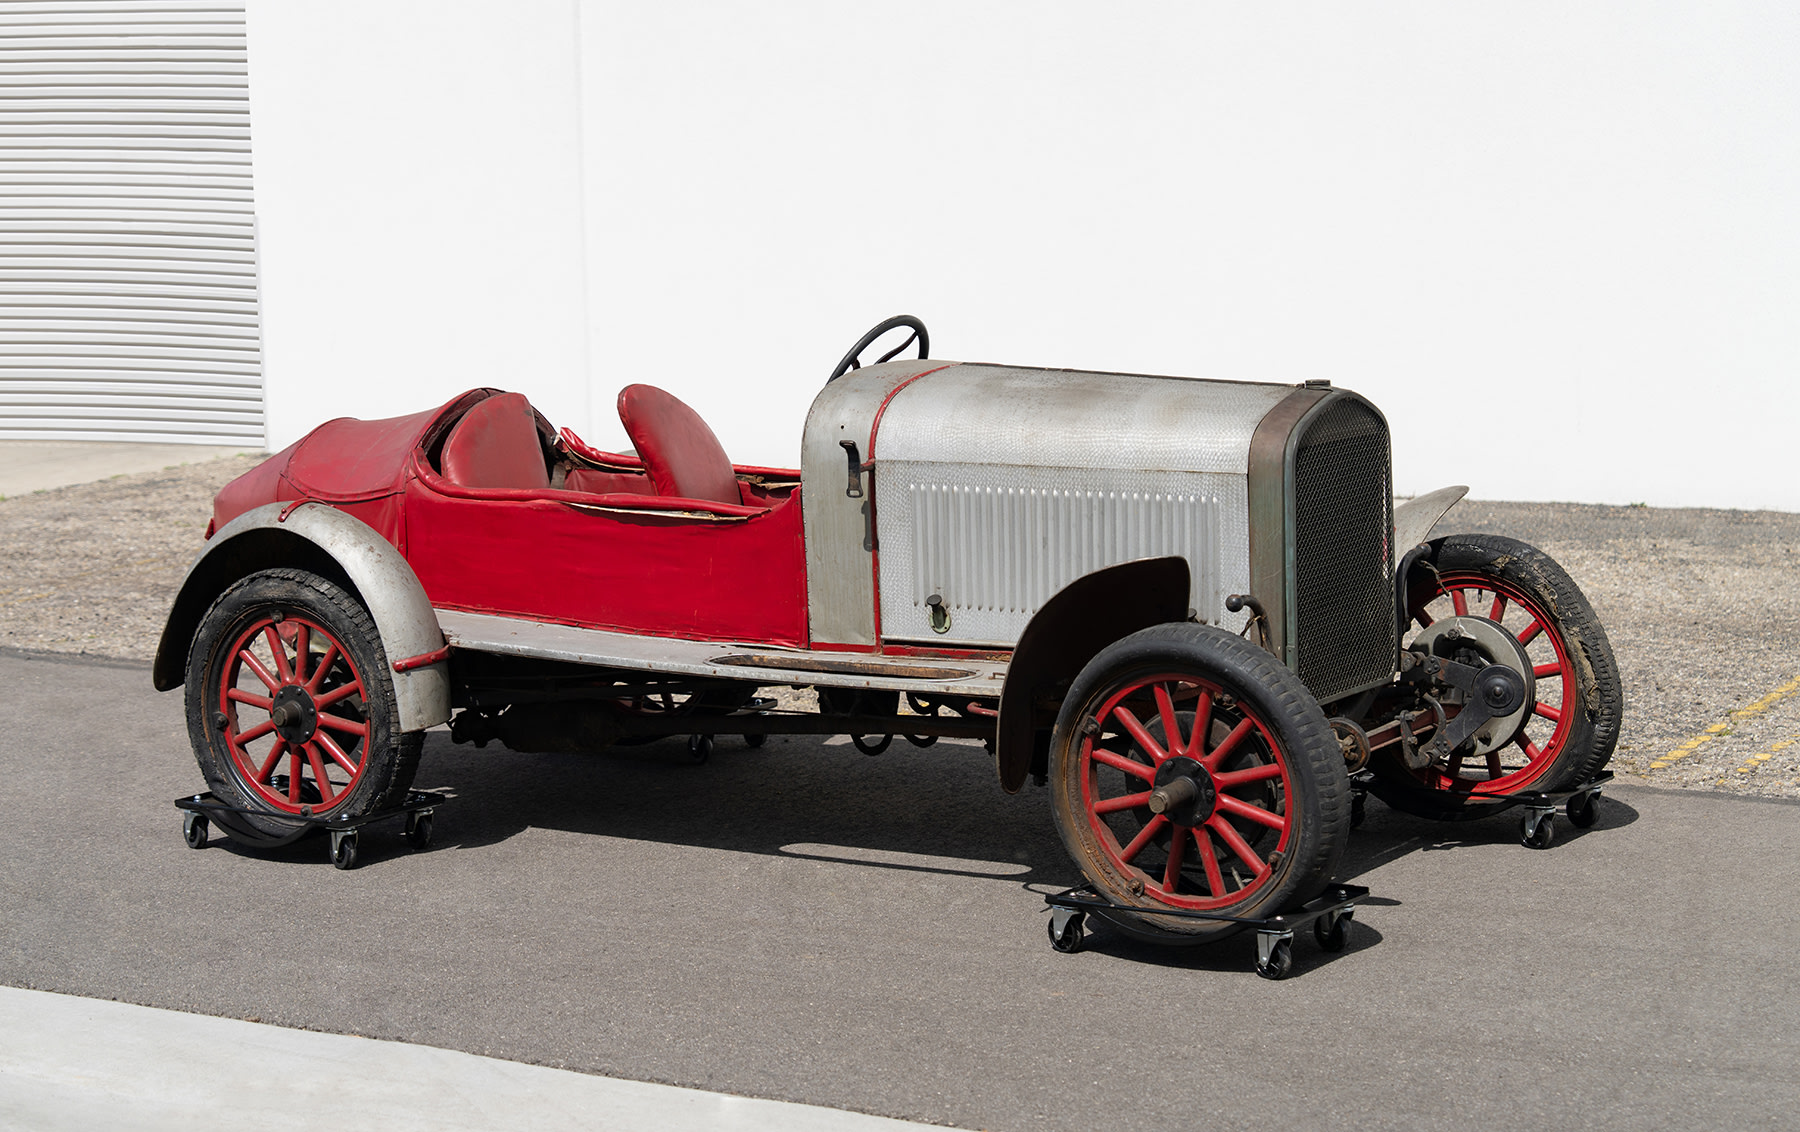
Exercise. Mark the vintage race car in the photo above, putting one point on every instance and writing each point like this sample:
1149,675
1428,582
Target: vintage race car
1188,607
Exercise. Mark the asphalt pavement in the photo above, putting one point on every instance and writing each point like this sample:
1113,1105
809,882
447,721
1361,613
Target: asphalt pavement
802,923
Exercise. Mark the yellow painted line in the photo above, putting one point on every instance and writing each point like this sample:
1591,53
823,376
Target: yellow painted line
1761,757
1724,725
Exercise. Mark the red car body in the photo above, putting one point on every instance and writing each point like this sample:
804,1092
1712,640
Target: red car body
603,551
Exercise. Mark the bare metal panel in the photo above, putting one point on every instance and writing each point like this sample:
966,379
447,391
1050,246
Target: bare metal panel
997,486
1414,519
982,414
995,542
840,571
480,632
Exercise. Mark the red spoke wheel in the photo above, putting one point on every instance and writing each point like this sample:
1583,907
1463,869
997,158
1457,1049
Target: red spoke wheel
1192,771
1496,600
290,703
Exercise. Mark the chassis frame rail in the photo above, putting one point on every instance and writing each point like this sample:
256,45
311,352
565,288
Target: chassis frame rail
200,810
1330,914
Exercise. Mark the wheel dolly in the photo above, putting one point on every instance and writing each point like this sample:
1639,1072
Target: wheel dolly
1537,825
1329,913
198,810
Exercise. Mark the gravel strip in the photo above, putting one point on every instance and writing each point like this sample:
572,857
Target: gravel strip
1702,609
93,568
1701,606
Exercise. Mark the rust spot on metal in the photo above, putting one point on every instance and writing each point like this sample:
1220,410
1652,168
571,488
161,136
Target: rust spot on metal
423,659
848,667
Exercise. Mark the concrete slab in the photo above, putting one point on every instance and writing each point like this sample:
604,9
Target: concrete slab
81,1063
34,465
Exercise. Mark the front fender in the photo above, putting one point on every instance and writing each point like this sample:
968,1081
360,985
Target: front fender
1069,630
1414,519
335,545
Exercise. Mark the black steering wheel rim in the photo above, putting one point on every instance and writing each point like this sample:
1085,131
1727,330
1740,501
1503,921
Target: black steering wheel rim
853,360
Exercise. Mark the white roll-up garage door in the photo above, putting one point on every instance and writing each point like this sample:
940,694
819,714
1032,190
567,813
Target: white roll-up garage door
128,305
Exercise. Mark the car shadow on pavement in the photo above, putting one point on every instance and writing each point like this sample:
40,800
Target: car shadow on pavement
793,797
1388,834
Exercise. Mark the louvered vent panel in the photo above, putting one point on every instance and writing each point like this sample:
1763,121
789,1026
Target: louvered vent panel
128,303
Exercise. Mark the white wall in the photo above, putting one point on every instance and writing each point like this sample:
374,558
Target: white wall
417,169
1555,243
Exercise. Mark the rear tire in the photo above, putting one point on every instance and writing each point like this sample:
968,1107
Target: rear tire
1274,809
290,704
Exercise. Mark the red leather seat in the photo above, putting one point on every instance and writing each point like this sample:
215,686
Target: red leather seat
496,444
681,454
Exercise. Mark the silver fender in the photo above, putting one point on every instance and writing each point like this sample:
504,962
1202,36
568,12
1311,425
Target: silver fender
320,538
1414,519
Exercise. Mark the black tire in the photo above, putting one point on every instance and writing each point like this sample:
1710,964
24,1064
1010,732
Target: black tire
1070,941
700,748
1335,937
1539,838
1281,962
1306,796
1583,812
1572,637
245,615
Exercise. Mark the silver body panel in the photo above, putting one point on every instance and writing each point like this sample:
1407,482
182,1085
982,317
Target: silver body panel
481,632
390,591
997,486
840,569
1414,519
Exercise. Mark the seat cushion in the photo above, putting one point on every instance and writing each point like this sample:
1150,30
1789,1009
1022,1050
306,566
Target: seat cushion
681,454
496,444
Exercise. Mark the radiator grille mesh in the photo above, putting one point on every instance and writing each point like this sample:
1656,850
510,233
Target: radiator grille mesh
1343,513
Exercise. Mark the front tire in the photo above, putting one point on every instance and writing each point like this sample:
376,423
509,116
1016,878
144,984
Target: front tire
1572,724
1264,823
290,704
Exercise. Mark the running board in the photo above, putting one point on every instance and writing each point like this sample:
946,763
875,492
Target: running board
763,664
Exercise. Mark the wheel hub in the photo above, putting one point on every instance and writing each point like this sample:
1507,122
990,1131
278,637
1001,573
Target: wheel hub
1184,791
294,714
1496,646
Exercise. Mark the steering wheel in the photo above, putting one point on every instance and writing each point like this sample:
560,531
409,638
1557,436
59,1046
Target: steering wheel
853,360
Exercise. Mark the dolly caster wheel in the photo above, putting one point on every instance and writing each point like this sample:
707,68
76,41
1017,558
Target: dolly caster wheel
1358,811
1537,831
1275,960
1583,811
1332,932
418,831
1068,937
755,741
700,747
343,849
193,831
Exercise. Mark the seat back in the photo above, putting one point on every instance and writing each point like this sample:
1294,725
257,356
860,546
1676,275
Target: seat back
681,454
496,445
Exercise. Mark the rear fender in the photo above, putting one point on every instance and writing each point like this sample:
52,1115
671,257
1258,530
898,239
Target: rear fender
334,545
1069,630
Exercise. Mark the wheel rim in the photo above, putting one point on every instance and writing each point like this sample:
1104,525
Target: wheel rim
295,722
1229,852
1540,739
